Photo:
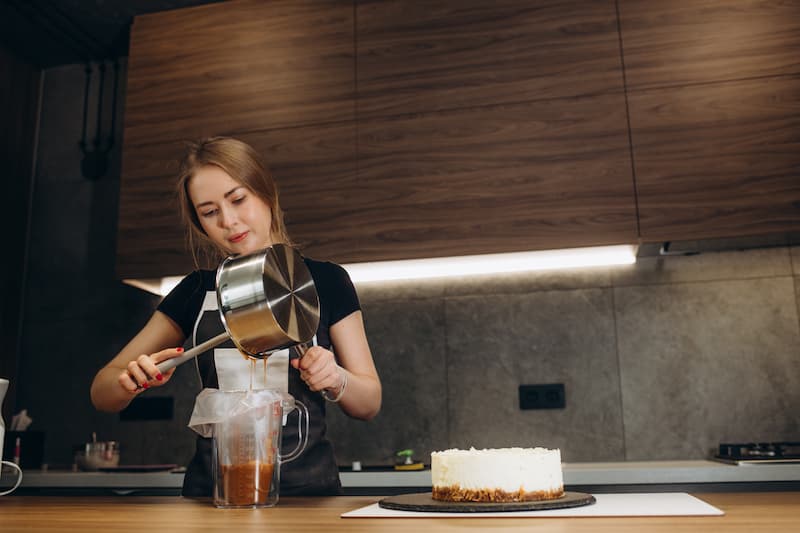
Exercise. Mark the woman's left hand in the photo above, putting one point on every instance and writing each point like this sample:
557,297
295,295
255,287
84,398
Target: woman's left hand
318,369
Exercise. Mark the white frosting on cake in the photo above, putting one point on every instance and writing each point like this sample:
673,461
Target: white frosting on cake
506,469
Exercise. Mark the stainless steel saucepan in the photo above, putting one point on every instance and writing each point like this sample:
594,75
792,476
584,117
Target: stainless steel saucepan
267,302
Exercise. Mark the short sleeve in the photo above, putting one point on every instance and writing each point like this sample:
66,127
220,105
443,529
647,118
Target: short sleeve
336,292
183,302
344,298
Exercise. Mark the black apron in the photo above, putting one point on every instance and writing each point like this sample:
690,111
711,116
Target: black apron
314,472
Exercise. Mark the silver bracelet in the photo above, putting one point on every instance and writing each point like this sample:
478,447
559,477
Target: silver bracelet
326,394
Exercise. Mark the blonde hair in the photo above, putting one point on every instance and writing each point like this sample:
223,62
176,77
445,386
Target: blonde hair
242,163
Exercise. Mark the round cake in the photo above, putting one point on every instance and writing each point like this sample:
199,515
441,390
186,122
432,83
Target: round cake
497,475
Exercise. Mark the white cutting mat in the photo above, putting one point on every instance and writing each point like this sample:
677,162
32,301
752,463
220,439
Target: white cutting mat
637,504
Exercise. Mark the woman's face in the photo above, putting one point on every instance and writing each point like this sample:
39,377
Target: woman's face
232,216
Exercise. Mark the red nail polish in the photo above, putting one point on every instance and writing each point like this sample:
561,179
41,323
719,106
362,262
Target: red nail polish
144,385
159,377
179,349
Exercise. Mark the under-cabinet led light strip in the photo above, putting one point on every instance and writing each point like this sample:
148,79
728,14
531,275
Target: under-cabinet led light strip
471,265
468,265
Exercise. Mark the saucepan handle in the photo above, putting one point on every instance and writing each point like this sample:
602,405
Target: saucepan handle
194,352
300,349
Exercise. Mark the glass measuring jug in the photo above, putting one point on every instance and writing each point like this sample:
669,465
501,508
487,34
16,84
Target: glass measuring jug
246,428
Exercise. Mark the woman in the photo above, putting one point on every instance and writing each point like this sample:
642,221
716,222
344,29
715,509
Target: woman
229,203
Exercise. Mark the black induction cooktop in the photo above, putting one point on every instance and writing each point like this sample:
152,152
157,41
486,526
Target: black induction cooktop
759,452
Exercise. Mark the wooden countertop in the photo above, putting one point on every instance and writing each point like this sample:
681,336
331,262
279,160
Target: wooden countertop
744,511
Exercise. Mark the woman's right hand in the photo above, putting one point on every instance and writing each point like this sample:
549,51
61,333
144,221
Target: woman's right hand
142,373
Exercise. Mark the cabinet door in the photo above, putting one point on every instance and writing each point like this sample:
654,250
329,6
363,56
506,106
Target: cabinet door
530,176
239,66
490,127
279,75
718,160
714,98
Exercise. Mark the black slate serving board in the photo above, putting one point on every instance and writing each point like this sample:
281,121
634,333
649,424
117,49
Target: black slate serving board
423,501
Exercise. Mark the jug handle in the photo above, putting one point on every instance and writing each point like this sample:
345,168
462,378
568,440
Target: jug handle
302,433
19,476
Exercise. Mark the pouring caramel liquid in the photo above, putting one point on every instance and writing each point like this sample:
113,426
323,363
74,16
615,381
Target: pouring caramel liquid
253,362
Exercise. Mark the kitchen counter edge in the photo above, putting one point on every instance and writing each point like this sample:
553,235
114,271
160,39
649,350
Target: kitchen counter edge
575,474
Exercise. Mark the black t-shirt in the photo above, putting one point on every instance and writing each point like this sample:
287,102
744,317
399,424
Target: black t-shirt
314,472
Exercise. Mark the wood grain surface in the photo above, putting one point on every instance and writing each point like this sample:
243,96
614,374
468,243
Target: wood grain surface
677,42
401,129
425,56
529,176
744,512
239,66
314,167
717,160
507,178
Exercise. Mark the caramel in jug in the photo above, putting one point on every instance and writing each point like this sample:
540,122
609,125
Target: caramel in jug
248,483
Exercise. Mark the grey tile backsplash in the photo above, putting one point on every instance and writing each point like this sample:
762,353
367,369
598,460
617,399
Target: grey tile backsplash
662,360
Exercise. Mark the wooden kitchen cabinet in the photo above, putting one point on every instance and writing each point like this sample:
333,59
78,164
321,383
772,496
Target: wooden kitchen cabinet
683,42
238,66
315,166
276,74
527,176
489,127
717,160
510,136
399,129
714,102
443,54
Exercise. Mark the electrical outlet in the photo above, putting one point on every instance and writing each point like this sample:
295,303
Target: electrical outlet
547,396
